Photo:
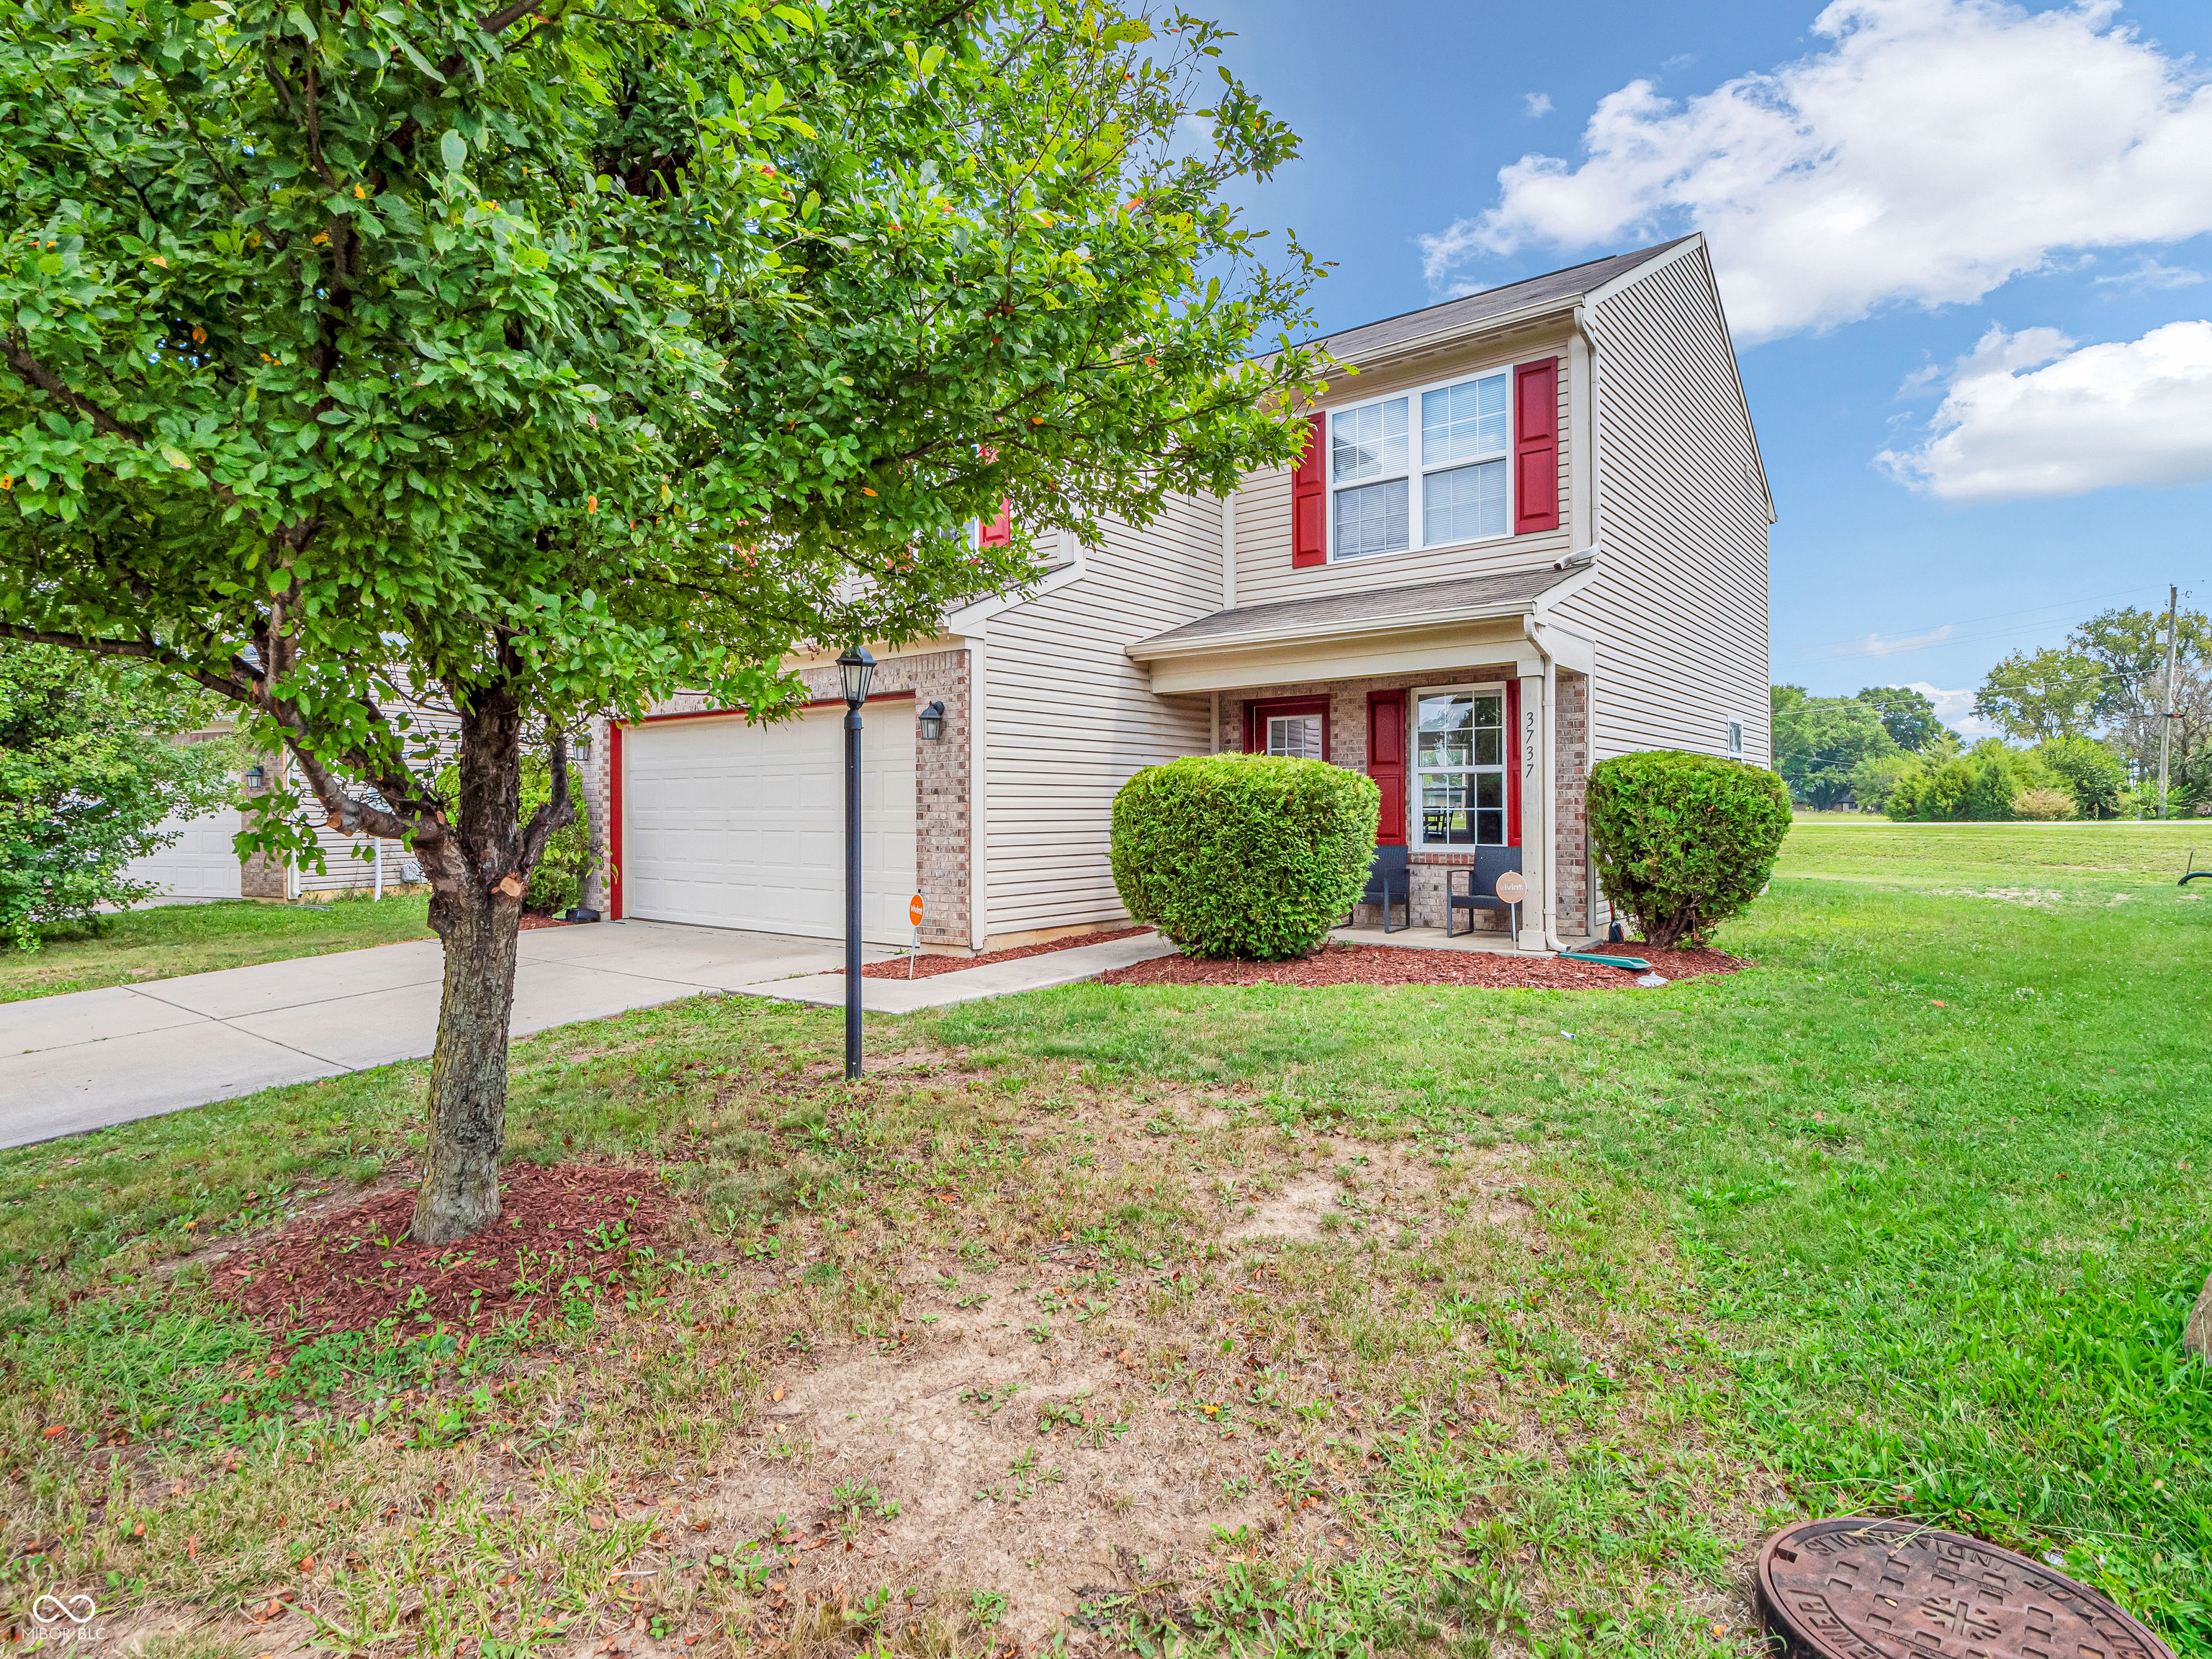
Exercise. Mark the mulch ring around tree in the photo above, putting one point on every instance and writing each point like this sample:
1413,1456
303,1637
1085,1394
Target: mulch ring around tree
564,1229
930,967
1344,963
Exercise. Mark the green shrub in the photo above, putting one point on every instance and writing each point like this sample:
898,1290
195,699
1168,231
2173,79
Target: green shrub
1983,786
2093,773
1684,841
1243,855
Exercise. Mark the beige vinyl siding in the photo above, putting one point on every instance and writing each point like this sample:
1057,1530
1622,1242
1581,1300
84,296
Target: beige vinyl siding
1069,717
1264,571
1679,604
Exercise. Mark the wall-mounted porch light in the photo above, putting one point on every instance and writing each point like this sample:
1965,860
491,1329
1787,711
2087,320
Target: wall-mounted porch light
932,723
255,777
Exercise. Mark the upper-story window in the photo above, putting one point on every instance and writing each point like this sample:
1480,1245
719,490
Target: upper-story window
1395,484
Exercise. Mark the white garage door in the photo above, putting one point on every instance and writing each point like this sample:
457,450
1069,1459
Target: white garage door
200,863
735,825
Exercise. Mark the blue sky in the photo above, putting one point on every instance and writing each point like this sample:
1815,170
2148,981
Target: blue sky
1969,237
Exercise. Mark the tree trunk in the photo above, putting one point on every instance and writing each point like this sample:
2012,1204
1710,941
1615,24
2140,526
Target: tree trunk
476,908
468,1073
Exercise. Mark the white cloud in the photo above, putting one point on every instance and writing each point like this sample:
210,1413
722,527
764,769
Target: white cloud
1540,103
2029,415
2148,273
1874,646
1956,709
1929,151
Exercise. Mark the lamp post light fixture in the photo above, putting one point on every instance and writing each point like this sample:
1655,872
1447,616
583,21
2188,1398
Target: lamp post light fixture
856,669
931,724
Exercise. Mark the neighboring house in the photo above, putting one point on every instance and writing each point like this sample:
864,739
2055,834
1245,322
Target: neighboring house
1530,533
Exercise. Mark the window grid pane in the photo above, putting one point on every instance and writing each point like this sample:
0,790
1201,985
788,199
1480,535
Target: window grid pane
1464,503
1371,519
1459,754
1370,442
1295,735
1463,422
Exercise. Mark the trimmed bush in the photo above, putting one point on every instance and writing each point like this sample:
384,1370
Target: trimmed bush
1243,855
2048,805
1684,841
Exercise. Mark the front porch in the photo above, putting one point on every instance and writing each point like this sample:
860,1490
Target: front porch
1466,702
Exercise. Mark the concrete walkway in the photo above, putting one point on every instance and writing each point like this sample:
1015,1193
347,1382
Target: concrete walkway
996,979
94,1058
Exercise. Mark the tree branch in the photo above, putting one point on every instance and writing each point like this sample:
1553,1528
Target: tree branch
238,691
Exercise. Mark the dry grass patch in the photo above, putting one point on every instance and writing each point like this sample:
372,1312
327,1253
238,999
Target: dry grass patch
970,1355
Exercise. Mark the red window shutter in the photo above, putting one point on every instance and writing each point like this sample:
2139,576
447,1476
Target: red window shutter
998,532
1515,760
1536,445
1308,500
1386,763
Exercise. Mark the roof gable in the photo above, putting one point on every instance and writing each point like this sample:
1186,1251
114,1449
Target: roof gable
1562,287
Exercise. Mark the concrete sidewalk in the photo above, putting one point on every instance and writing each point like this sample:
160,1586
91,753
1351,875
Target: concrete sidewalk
94,1058
996,979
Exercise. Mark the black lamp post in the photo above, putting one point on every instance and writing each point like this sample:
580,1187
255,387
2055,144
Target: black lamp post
855,669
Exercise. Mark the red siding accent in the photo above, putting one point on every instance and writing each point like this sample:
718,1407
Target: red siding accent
1386,763
1519,750
1309,499
999,531
614,822
1256,721
1536,445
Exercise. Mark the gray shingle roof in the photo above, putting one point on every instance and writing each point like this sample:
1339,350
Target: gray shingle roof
1563,286
1506,591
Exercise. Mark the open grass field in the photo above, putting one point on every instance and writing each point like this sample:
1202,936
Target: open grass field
163,941
1104,1320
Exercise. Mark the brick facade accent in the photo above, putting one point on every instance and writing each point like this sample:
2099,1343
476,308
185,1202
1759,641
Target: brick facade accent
943,829
1348,747
1571,839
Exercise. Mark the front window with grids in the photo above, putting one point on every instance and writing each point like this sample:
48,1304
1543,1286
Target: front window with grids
1294,735
1394,486
1459,758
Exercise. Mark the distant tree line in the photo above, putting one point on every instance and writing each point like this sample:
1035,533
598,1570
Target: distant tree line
2082,724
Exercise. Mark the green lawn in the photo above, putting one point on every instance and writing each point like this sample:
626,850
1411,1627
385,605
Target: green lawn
165,941
1592,1289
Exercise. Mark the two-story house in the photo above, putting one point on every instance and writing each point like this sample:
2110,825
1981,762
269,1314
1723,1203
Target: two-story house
1529,533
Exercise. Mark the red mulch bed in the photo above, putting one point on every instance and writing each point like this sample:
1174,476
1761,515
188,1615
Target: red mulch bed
1343,964
531,919
930,967
347,1270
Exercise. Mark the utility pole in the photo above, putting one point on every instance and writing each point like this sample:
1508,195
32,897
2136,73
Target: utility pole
2165,725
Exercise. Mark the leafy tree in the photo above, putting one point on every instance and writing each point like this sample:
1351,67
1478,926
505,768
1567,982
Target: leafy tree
1818,741
2051,693
2093,773
1907,715
89,767
1874,779
543,358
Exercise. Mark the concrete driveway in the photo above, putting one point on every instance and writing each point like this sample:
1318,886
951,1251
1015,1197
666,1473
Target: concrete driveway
94,1058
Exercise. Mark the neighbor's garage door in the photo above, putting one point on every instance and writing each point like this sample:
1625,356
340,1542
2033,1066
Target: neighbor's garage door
735,825
200,863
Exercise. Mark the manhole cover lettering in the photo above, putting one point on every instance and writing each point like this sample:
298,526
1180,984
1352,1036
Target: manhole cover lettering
1891,1590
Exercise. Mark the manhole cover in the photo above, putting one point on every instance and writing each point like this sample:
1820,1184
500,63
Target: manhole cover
1891,1590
